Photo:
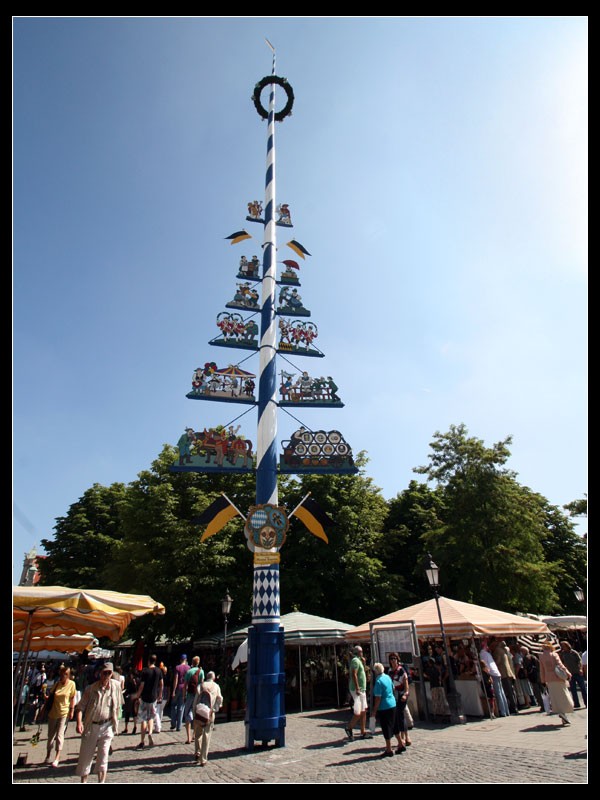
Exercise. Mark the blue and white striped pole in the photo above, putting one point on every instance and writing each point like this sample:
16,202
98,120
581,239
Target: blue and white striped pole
266,451
265,716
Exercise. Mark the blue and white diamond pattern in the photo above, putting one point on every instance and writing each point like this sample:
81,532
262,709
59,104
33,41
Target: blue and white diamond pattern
266,594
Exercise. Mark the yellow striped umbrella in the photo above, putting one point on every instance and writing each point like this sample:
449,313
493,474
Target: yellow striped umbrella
62,644
59,610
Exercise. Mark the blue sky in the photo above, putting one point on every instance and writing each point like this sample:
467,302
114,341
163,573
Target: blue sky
436,169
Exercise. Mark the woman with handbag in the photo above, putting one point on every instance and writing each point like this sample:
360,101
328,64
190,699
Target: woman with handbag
399,678
60,706
556,677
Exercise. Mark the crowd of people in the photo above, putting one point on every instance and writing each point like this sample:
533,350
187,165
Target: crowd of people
391,689
98,696
511,678
193,698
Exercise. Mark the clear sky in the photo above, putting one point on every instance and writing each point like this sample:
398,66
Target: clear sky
436,169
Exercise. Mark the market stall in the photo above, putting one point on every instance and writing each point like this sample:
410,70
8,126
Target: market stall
59,610
311,660
463,624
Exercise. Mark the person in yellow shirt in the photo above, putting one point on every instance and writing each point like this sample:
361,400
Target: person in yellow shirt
62,707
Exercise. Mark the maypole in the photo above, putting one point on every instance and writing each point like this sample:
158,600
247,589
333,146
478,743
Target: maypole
265,719
222,449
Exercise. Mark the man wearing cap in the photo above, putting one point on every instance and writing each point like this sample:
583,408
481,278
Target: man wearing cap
97,716
178,693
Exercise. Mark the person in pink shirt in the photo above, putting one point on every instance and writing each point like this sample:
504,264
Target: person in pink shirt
178,693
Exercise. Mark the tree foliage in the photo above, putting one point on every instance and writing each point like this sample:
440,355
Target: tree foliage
577,508
85,539
497,543
490,542
346,579
411,515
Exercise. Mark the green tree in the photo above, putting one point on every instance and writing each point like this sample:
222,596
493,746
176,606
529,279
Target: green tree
84,539
568,551
577,508
412,514
161,553
490,542
346,579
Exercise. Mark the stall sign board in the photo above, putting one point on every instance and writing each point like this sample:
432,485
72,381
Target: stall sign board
398,638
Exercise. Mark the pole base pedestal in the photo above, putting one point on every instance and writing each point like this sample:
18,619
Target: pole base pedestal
265,711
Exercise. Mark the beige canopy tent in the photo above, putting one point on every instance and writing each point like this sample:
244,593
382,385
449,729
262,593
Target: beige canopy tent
57,610
300,630
61,644
573,623
460,619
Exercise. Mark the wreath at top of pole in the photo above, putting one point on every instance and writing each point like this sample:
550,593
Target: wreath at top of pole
286,110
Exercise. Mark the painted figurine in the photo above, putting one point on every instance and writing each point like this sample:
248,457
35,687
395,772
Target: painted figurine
255,209
184,445
284,214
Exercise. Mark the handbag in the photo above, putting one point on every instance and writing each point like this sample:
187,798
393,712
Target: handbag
46,708
561,673
546,702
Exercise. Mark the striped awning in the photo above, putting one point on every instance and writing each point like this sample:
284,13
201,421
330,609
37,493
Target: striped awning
60,644
56,610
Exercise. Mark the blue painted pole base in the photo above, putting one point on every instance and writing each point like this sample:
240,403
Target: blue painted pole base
265,709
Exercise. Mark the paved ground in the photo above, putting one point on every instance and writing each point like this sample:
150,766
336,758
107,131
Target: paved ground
527,748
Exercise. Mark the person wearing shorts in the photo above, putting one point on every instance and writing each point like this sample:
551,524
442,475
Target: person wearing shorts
358,692
151,688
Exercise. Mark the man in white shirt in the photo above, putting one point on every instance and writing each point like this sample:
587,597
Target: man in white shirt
486,657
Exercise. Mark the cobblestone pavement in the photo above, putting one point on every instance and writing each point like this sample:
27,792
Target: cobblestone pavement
531,747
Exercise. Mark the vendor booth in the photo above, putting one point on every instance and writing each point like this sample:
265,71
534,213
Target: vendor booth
60,610
312,665
463,623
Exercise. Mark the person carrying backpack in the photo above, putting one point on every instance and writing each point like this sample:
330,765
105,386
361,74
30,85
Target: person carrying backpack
207,701
193,678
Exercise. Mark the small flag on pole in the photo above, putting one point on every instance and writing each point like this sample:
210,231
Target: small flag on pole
215,517
313,516
239,236
298,248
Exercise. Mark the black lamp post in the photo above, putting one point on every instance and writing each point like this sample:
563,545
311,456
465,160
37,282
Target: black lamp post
454,699
580,597
225,608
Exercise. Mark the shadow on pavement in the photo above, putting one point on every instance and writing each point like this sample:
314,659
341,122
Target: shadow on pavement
580,754
365,757
323,745
331,714
541,728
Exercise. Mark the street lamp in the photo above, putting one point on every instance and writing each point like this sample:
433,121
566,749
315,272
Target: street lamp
454,699
579,595
225,608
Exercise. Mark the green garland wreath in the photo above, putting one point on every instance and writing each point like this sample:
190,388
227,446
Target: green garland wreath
287,109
